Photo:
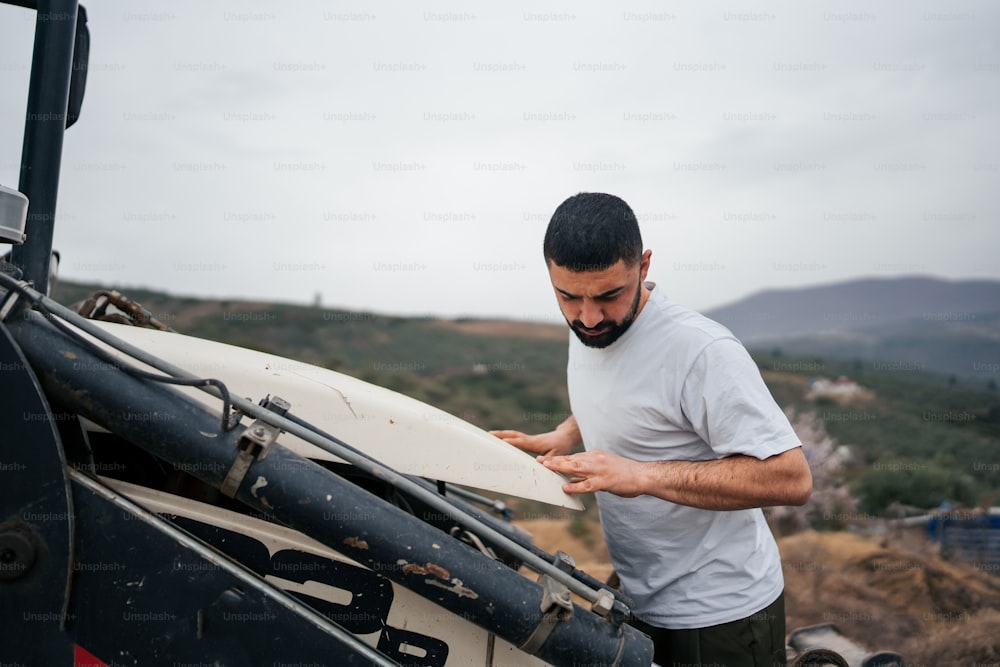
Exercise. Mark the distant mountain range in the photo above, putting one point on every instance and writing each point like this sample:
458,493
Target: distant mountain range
923,323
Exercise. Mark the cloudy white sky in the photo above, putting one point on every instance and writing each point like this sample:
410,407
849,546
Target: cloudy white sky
404,157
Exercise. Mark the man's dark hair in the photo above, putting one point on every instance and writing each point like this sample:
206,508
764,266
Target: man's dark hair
591,231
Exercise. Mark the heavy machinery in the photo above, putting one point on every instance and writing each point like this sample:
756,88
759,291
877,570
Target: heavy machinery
152,515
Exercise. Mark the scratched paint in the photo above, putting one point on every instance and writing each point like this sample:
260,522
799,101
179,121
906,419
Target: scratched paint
456,587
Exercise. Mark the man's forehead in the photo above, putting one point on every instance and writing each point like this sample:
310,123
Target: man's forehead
593,282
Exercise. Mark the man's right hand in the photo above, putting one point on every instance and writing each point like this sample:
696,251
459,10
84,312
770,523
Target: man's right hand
559,442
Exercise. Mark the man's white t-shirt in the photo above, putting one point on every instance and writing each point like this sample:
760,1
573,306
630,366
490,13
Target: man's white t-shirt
678,386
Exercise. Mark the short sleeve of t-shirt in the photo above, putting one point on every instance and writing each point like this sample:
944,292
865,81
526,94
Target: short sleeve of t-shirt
729,406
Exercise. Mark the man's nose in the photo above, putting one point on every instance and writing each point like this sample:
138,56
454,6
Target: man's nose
591,314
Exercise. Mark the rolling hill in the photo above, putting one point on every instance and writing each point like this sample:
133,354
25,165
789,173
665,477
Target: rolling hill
950,327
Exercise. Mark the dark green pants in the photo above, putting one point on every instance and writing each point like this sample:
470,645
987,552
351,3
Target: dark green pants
754,641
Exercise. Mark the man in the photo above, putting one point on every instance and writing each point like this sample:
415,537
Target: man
683,446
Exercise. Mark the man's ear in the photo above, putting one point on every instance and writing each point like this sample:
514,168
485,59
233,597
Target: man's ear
644,265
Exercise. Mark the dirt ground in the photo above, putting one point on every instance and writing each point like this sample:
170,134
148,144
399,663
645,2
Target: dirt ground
884,593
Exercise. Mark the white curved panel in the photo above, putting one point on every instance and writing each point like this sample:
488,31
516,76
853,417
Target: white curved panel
406,434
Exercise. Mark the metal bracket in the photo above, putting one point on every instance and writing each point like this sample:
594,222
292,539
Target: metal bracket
556,605
253,445
554,594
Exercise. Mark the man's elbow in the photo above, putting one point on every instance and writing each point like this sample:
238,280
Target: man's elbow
801,488
796,478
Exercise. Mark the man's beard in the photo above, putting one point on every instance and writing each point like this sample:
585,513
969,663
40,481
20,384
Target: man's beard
610,330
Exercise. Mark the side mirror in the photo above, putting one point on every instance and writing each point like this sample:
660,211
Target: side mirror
81,60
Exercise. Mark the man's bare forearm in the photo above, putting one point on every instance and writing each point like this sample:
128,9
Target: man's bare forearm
736,482
732,483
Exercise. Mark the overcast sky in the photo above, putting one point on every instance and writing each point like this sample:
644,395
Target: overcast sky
405,157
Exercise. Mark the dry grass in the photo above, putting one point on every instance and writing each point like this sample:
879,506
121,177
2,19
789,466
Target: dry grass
890,597
973,641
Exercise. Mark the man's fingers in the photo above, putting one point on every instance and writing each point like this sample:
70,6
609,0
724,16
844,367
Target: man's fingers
552,462
515,438
569,463
580,480
505,434
579,485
